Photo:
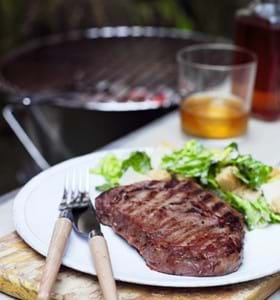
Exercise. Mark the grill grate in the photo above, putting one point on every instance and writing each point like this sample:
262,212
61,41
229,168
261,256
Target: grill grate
119,64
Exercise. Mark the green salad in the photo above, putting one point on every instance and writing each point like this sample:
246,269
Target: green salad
232,176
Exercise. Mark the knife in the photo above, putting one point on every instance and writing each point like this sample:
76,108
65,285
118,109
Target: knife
86,224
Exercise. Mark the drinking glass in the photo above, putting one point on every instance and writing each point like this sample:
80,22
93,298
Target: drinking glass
216,83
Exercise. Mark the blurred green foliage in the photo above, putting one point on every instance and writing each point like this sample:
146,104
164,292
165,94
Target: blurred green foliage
169,12
11,18
22,20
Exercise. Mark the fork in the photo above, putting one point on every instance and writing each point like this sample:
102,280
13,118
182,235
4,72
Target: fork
62,229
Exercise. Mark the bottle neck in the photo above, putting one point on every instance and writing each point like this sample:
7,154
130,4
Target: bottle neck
269,1
268,10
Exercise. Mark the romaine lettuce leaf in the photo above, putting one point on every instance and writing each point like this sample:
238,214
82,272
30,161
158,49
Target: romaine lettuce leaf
139,161
112,168
193,160
251,171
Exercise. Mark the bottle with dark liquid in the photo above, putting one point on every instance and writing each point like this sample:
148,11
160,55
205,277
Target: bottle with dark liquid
258,29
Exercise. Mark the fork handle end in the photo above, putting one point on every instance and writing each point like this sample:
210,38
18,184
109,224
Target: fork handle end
57,246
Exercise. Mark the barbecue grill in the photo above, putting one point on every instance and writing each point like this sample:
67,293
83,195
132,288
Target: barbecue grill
116,78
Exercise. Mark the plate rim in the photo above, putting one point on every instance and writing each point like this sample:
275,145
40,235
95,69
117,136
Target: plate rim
24,232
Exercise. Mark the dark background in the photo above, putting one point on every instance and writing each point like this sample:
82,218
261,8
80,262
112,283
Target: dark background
21,21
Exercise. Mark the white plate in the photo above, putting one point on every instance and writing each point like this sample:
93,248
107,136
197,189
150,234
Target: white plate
35,211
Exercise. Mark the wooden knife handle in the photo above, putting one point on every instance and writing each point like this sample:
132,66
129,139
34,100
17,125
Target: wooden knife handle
102,263
57,245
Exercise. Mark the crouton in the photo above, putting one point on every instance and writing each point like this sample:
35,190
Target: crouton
227,180
159,175
275,174
246,193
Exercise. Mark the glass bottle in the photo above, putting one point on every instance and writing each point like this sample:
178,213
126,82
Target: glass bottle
257,28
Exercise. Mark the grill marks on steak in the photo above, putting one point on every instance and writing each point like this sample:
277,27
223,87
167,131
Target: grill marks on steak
177,226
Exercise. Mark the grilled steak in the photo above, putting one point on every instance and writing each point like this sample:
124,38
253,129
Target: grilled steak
177,226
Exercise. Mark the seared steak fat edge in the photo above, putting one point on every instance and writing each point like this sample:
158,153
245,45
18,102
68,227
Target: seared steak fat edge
177,226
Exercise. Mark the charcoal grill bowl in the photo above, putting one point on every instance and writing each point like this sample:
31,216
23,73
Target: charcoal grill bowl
44,72
63,69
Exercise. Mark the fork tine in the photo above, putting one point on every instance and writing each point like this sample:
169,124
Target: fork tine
73,187
87,185
64,200
66,187
86,197
80,189
80,182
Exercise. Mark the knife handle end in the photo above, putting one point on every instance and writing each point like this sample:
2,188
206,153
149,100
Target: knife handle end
102,263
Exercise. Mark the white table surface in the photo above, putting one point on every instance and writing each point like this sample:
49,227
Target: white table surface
262,140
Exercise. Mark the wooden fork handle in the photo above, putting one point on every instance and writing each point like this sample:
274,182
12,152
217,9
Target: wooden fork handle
102,263
57,245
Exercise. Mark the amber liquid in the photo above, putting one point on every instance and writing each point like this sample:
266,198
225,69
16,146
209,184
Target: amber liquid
213,116
263,38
